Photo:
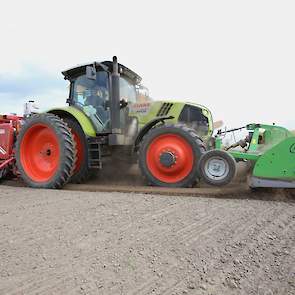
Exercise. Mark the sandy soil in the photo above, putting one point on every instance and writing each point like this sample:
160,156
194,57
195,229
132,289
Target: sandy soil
69,242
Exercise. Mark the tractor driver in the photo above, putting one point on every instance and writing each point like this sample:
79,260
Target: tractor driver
97,98
93,100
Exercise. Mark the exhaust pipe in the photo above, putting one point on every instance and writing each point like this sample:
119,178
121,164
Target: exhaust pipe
115,98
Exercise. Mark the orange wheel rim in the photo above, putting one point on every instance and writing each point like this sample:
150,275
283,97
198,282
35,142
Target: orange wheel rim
80,151
170,158
40,153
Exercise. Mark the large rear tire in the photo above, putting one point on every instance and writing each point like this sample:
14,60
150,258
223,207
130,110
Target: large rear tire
81,171
169,154
45,152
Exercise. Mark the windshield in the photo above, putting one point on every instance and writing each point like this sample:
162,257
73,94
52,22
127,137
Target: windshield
92,95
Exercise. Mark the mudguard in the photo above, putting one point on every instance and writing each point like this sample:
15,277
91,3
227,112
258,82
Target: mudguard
86,124
147,127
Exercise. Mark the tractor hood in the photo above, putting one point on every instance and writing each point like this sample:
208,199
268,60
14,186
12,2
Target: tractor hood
74,72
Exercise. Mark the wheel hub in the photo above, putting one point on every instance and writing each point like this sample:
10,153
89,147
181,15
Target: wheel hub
46,150
167,159
217,168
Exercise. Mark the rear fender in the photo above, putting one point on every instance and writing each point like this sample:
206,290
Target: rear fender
78,115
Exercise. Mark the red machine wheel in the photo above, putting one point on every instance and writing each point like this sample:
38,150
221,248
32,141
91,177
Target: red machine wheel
168,156
81,170
40,153
45,152
167,147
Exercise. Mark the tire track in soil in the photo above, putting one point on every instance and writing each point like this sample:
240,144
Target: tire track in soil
259,234
170,270
157,235
270,243
212,218
62,280
18,235
160,212
150,285
271,247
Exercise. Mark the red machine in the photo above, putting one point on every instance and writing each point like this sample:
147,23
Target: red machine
9,128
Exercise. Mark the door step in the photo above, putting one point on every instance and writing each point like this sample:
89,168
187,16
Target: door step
94,153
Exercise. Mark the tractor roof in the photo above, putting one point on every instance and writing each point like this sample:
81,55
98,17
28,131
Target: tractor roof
80,69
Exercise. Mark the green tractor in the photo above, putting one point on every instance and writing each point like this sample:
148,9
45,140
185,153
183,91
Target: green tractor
110,115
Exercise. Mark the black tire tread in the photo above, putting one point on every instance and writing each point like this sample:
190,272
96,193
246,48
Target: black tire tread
84,173
199,148
68,151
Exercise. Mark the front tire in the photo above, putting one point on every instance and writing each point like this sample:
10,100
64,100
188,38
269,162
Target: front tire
169,154
45,152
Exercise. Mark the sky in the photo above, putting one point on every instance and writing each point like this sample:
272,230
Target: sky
235,57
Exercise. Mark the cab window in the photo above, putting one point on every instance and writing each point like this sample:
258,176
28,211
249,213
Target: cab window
194,117
127,90
92,95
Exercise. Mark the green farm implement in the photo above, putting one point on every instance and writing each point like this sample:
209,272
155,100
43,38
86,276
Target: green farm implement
269,151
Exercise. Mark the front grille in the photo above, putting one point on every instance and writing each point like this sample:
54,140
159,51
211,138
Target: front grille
165,108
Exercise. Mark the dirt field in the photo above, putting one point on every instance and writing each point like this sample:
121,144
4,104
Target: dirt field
69,242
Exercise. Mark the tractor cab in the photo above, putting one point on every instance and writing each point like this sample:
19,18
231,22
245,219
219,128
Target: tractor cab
90,91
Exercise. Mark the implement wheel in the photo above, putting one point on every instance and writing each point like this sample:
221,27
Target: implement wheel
217,167
45,152
169,154
81,171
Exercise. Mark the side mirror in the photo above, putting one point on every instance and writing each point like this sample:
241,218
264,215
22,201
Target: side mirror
91,72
